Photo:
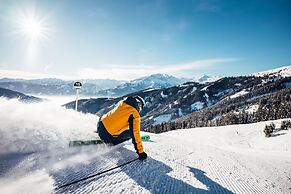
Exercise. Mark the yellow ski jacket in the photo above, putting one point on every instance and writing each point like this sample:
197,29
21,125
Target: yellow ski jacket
123,117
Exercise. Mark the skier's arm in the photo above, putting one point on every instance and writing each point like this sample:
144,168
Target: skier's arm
134,126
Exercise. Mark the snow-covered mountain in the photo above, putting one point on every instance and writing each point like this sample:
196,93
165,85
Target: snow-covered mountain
230,94
154,81
206,78
278,72
98,87
35,157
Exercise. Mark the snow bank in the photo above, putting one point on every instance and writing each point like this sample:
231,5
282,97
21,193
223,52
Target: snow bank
35,127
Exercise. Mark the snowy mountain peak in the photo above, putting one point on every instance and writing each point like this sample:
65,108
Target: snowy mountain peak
158,76
206,78
153,81
282,71
203,78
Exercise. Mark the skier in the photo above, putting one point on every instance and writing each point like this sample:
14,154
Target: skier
123,123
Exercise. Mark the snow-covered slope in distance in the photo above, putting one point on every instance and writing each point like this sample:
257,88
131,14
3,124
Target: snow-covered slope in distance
282,71
229,159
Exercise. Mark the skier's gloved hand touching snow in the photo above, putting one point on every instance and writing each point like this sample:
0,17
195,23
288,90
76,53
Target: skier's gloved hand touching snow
142,156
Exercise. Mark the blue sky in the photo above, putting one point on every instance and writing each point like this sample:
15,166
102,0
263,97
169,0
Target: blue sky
126,39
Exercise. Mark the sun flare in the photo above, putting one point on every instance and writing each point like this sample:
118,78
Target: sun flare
32,26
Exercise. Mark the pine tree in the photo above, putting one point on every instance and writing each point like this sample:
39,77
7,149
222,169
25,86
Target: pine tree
285,125
269,129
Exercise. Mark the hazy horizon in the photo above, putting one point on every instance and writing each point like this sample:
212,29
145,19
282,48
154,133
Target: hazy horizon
26,76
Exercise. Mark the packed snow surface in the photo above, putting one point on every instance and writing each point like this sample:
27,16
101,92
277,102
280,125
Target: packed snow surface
229,159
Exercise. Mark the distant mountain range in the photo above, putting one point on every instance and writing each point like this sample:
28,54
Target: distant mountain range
58,87
155,81
98,87
236,94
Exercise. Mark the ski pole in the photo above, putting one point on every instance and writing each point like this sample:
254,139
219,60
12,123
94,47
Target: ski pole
94,175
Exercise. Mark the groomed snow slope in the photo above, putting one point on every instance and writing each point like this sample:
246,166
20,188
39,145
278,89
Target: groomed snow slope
230,159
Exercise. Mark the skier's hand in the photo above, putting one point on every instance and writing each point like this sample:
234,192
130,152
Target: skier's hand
142,156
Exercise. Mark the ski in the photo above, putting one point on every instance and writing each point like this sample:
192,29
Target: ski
85,142
98,142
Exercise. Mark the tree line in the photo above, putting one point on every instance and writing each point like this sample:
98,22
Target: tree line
271,105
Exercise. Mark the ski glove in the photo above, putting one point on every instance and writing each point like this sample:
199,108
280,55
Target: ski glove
142,156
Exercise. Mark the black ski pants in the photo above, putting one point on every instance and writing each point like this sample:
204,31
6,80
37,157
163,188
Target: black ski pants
108,138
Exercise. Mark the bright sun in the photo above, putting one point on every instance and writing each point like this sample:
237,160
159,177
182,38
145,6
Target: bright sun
32,26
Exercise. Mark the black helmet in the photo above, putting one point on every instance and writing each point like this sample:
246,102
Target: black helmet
140,102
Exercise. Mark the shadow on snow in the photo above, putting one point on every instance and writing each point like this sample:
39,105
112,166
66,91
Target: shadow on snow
150,174
153,175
